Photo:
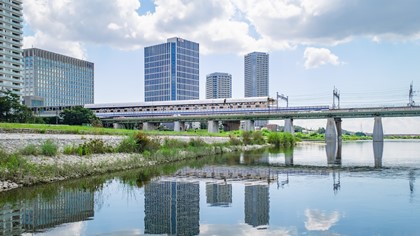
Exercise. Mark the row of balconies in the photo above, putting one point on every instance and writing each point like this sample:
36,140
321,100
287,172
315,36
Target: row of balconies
14,17
14,42
8,21
15,8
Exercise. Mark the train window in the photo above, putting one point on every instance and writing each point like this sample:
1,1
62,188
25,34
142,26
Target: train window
221,107
140,109
239,106
155,109
179,108
187,108
171,109
248,106
147,109
257,105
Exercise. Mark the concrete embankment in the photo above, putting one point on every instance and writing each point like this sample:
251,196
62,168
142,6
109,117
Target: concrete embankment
62,166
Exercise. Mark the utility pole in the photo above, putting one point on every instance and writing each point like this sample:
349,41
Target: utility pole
411,93
336,95
283,97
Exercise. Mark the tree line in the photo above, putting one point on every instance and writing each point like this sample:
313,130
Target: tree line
13,111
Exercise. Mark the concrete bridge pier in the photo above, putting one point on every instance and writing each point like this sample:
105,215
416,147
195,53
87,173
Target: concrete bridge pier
249,125
118,126
213,126
288,158
179,126
331,134
231,125
378,132
378,150
288,126
150,125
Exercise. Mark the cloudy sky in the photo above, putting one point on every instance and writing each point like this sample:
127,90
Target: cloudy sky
368,50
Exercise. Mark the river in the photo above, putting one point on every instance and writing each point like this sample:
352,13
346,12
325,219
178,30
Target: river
365,189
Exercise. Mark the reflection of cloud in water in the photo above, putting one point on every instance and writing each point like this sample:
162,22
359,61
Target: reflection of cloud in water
244,229
78,228
320,220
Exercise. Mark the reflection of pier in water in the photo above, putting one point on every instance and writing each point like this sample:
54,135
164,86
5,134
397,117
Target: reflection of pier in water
41,213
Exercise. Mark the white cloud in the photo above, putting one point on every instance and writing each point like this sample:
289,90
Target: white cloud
315,57
69,25
320,220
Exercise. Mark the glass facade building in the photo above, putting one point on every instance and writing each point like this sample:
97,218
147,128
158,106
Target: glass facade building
256,74
57,79
171,71
11,65
218,85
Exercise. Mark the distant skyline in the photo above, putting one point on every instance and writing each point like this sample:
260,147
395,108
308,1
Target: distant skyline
369,50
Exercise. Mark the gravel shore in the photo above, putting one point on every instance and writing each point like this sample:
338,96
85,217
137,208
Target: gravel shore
13,142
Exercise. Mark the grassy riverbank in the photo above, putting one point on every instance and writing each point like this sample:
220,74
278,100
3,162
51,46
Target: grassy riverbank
46,162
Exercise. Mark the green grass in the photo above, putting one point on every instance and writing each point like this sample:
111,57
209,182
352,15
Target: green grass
74,129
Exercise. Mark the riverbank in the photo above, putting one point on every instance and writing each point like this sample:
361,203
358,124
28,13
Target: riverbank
25,170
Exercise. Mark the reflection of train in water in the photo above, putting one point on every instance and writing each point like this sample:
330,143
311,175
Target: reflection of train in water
194,107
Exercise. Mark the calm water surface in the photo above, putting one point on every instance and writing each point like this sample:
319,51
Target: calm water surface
370,190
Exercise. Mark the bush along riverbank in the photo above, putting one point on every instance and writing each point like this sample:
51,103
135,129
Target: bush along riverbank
46,162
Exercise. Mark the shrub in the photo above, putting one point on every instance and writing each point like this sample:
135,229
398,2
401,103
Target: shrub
233,140
197,142
275,138
49,148
31,149
70,150
281,139
246,137
258,138
174,143
127,145
145,143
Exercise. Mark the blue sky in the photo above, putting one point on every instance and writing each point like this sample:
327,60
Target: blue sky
369,50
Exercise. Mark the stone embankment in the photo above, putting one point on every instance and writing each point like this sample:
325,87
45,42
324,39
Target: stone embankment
96,163
12,142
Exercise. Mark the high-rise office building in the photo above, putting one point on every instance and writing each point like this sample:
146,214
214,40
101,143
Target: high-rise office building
218,85
171,71
11,65
219,194
256,74
52,79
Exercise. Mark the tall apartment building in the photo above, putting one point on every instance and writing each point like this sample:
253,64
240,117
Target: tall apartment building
257,78
257,205
256,74
171,71
218,85
52,79
11,38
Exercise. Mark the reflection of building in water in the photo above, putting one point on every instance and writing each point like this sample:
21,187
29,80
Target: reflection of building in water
39,213
336,182
172,208
66,206
257,204
219,194
11,220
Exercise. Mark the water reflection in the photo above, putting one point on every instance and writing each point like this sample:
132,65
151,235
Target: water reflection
378,150
219,194
42,212
257,205
172,208
333,151
320,220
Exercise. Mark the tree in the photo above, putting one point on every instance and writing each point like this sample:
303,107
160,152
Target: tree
78,116
11,110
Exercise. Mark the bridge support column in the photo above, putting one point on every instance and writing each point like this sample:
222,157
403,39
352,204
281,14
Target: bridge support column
378,150
378,132
150,126
117,126
288,126
179,126
249,125
331,134
231,125
338,122
213,126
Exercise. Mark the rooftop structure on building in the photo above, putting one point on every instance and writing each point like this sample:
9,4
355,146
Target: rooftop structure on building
218,85
52,79
11,38
171,71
